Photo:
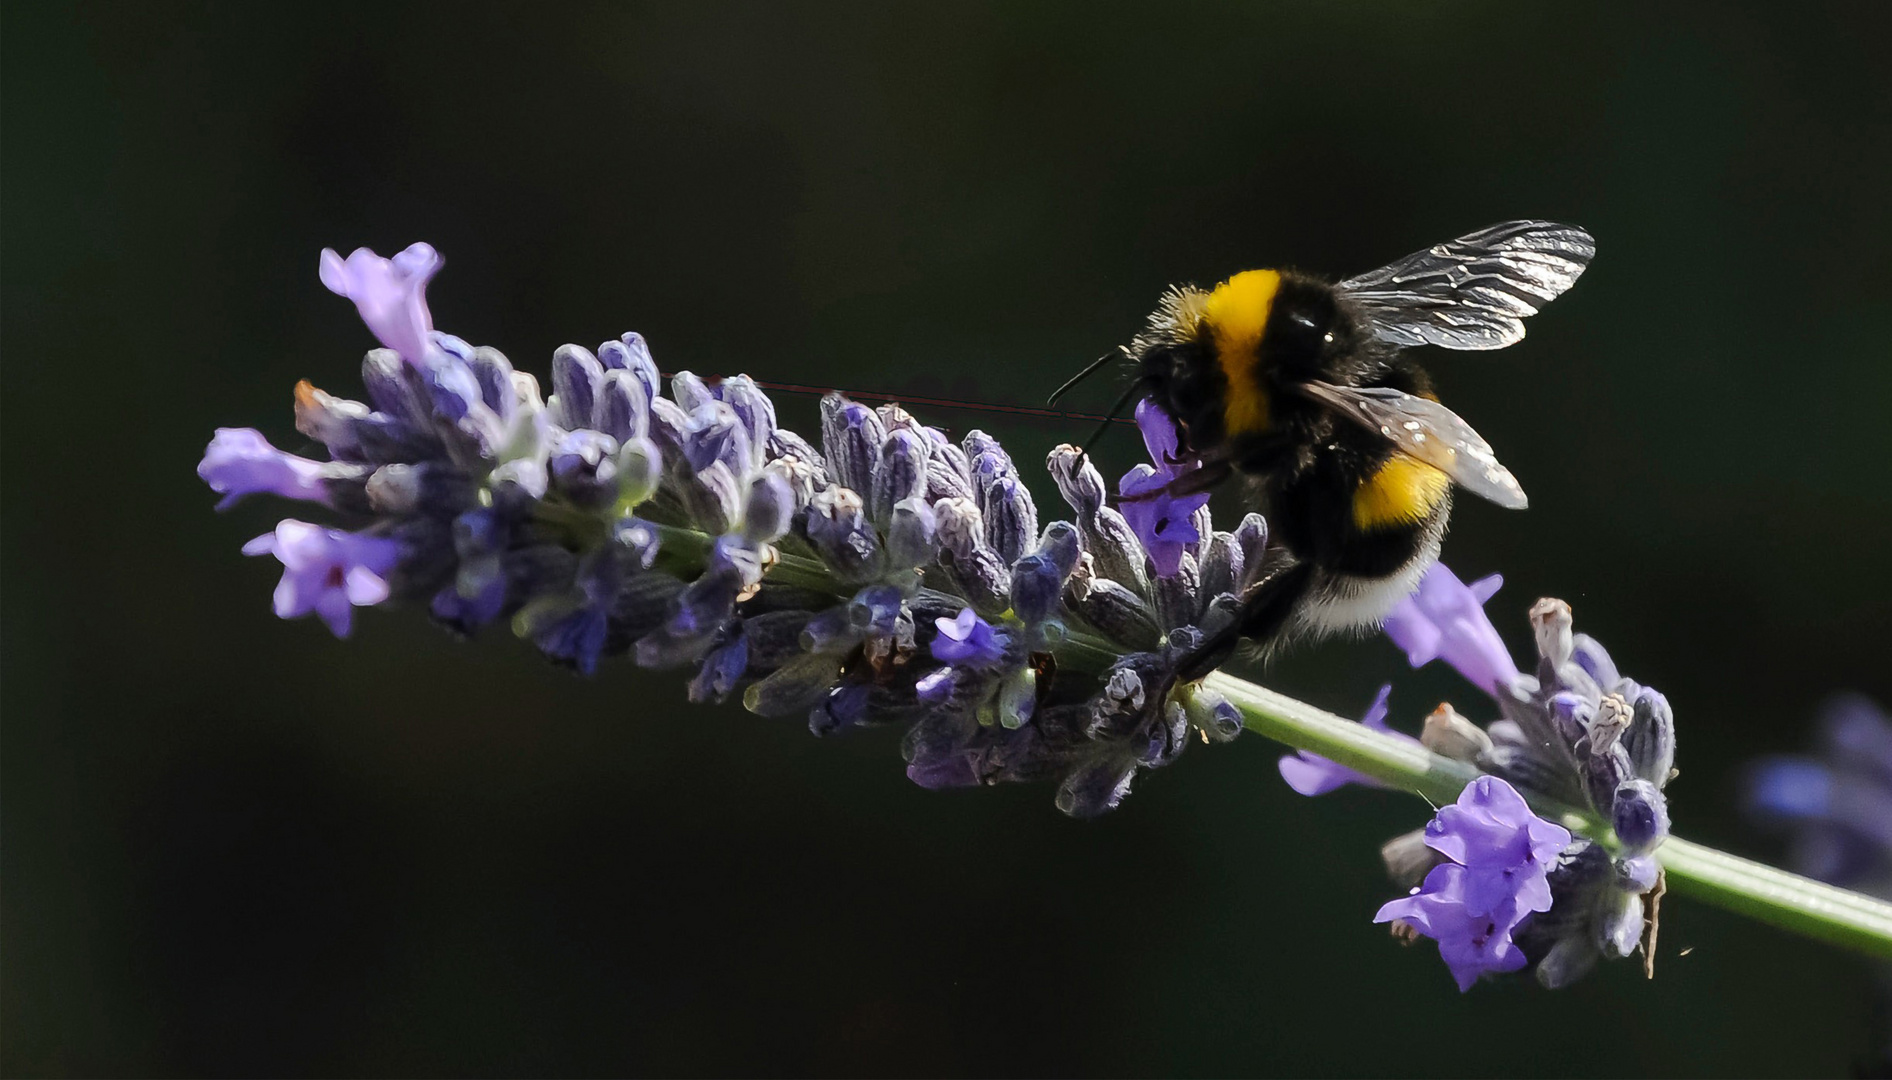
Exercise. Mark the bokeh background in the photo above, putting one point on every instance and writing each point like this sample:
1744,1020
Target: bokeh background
233,845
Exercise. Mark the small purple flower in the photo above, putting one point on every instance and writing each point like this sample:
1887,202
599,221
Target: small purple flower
1164,523
1502,856
239,462
1501,867
1507,851
327,571
967,641
1311,774
1470,945
1445,620
391,294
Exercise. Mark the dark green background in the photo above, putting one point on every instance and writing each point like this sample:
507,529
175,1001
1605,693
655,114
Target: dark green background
234,845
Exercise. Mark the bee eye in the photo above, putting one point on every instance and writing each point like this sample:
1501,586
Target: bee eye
1327,338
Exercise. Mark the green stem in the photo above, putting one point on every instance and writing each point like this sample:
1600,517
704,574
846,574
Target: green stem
1760,892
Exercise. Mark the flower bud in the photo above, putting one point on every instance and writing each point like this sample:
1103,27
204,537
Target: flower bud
1011,518
1093,789
1590,656
394,388
912,536
1018,697
1408,858
839,532
1120,614
1221,565
688,391
1618,922
1638,874
753,410
1451,735
1213,715
899,473
770,507
1176,594
1640,816
1568,960
1550,621
1251,537
1571,714
1063,545
1035,587
623,410
1078,479
842,708
584,469
985,578
794,688
851,436
576,378
631,353
640,468
722,667
1651,737
1602,774
493,372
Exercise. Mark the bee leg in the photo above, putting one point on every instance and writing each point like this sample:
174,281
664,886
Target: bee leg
1262,617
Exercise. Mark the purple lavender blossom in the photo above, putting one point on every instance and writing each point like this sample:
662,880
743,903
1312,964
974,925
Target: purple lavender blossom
1164,523
1507,851
1445,620
1503,854
967,640
1310,774
391,294
240,461
1471,945
327,571
1837,806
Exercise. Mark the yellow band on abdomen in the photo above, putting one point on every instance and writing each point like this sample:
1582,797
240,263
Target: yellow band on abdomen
1401,492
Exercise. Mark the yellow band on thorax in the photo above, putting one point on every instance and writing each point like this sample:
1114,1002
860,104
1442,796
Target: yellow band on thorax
1236,314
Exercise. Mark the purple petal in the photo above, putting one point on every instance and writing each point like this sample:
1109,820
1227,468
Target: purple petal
390,294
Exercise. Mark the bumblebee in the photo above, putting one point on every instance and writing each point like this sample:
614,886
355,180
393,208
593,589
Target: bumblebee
1304,387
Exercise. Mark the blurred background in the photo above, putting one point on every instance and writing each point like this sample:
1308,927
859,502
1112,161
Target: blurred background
234,845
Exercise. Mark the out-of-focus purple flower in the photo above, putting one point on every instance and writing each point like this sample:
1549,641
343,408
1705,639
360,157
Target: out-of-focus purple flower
1311,774
967,641
327,571
1470,945
1838,805
391,294
1503,854
1165,524
239,462
1445,620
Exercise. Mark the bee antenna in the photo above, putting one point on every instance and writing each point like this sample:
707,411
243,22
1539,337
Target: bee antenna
1129,393
1089,370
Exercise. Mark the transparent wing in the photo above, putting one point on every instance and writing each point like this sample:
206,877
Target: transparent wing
1473,292
1430,432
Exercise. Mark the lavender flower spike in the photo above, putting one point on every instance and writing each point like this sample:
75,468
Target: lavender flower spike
1445,620
327,571
391,294
1310,774
239,462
